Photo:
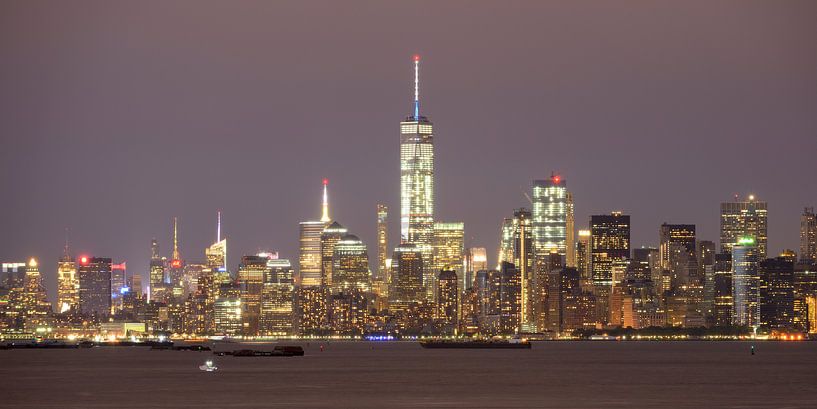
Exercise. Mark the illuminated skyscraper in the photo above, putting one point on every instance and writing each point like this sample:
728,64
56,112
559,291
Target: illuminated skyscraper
407,276
351,265
745,279
570,236
382,240
609,242
449,246
156,279
744,219
329,238
251,274
506,242
217,252
609,253
417,179
277,297
67,283
448,299
176,267
550,215
118,285
476,259
583,255
677,253
94,286
722,304
310,264
524,260
808,236
776,293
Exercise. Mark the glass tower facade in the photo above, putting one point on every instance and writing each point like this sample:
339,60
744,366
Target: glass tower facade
550,214
741,219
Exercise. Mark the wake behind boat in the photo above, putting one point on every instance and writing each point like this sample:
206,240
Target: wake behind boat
208,366
477,344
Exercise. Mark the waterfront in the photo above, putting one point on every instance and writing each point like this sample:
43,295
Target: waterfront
401,374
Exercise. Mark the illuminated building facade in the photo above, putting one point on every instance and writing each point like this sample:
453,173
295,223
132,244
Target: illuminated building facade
476,259
251,274
277,299
417,182
510,299
227,311
448,300
407,276
722,298
583,255
351,265
449,246
550,215
808,236
119,274
310,261
524,261
329,238
609,243
776,293
67,284
382,241
744,219
746,306
506,242
156,279
94,286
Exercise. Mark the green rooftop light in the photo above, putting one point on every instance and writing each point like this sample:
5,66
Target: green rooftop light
746,241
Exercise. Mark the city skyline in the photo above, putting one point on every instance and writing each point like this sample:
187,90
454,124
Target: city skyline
149,180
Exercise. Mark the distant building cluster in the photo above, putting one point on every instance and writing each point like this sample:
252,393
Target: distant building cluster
552,277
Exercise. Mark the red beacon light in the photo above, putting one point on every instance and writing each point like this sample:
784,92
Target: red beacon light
325,181
416,57
557,179
176,263
83,260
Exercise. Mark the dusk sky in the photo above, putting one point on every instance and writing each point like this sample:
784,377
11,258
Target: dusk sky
117,116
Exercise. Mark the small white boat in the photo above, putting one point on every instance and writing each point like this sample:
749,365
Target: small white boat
208,366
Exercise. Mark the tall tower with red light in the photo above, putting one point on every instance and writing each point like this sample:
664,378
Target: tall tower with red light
552,209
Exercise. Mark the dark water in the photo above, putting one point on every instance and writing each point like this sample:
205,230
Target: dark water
386,375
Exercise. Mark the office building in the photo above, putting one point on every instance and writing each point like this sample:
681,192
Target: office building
94,286
331,235
746,305
550,215
448,300
776,293
808,236
350,270
744,219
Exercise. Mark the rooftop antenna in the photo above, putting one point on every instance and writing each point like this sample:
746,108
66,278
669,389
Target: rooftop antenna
218,228
416,87
175,240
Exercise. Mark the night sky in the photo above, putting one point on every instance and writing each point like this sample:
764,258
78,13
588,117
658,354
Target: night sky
117,116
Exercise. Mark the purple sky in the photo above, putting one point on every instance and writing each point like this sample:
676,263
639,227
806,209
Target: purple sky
117,116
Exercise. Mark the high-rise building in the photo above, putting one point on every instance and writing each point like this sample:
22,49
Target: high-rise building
524,261
722,299
176,265
94,286
609,242
156,277
744,219
476,259
808,236
583,255
449,247
350,270
609,254
67,283
277,299
119,277
776,293
382,241
448,299
407,276
510,299
416,173
746,310
227,310
506,242
310,260
331,235
251,274
677,254
417,180
570,235
28,306
216,253
550,214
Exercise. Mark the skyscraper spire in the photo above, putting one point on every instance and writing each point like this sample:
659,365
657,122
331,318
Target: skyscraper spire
325,208
176,255
416,87
218,228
